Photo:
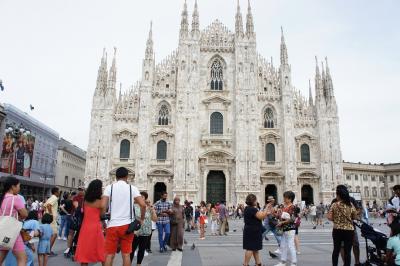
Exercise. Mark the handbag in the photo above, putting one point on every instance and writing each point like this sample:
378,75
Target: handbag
172,220
135,224
25,235
10,228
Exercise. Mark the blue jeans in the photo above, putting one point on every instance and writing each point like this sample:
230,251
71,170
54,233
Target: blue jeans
65,223
273,230
12,261
164,231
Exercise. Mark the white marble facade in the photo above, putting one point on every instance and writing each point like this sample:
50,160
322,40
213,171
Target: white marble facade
216,121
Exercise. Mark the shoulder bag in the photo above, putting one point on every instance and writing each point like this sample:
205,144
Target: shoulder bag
10,228
135,224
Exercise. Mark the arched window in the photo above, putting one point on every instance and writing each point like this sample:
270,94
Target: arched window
366,192
216,76
161,150
163,115
268,118
270,152
374,192
305,153
124,149
216,123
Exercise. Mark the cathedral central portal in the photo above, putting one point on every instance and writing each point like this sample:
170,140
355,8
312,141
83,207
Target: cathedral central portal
216,187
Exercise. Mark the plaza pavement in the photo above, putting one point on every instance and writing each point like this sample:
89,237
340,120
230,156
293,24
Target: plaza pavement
316,248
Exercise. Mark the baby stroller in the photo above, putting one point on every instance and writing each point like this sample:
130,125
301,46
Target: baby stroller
375,255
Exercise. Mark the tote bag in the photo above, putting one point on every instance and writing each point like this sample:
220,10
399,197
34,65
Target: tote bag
10,228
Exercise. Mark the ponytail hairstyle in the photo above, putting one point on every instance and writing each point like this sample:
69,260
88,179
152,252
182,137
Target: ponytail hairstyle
8,183
343,193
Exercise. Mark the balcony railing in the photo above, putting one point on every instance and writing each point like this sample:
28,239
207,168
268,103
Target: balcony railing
271,164
211,139
306,165
123,162
165,163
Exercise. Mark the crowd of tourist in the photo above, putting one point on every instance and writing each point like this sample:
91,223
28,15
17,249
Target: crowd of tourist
97,224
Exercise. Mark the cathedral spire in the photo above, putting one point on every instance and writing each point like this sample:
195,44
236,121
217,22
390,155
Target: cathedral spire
316,68
102,73
184,22
329,83
310,98
284,54
238,21
317,80
112,76
195,20
120,92
149,44
249,22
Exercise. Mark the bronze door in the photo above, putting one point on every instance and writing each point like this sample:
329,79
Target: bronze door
216,187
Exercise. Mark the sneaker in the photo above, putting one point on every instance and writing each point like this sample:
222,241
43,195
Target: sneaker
298,252
165,249
59,238
280,264
145,253
149,251
161,250
64,238
66,251
278,251
52,254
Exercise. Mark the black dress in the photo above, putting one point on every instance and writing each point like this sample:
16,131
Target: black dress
252,235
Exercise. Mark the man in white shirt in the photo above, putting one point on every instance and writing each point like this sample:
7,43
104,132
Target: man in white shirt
35,205
393,205
120,204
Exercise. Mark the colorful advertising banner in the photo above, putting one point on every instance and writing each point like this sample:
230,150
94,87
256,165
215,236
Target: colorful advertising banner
17,154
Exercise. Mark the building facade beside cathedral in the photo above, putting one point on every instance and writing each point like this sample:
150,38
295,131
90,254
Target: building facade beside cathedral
216,121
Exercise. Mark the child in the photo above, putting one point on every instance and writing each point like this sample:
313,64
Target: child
44,240
393,245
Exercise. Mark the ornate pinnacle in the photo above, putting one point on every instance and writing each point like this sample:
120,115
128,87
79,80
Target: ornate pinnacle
249,21
195,19
149,43
238,21
184,21
284,54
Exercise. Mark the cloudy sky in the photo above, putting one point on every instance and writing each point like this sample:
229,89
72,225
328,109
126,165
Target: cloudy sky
50,51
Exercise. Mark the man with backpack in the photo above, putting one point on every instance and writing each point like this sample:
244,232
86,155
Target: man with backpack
188,215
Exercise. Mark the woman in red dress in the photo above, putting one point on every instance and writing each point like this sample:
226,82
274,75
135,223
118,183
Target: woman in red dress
90,247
